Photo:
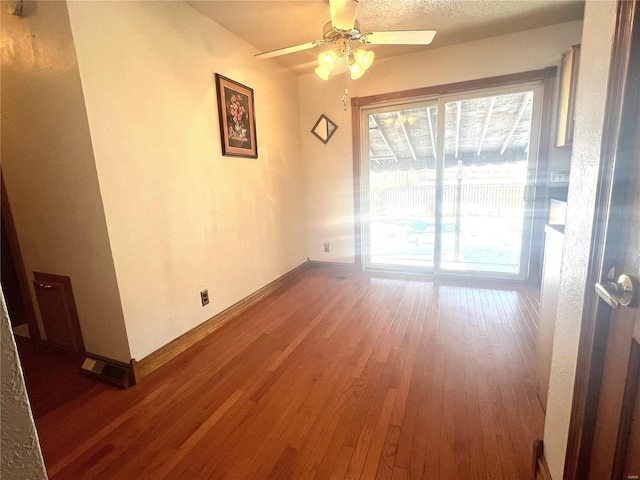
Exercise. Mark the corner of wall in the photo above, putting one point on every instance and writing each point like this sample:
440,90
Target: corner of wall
20,452
50,173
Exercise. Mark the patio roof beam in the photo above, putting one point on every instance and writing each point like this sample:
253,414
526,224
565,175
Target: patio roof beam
485,126
433,139
384,138
406,136
516,121
458,117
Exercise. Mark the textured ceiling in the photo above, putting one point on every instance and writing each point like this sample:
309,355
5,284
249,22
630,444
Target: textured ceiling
269,25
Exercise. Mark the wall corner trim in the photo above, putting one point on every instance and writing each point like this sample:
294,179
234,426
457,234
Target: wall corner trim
155,360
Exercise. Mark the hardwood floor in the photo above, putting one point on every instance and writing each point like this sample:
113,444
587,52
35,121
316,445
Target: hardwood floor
47,369
341,375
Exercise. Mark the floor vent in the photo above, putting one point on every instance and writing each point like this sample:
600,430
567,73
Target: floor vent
341,278
107,370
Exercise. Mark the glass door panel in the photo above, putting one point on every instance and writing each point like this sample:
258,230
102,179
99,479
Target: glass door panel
400,180
485,218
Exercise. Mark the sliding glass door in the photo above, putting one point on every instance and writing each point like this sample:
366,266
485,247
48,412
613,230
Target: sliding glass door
460,206
401,184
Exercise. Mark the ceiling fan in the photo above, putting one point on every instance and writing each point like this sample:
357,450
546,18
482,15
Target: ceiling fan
341,32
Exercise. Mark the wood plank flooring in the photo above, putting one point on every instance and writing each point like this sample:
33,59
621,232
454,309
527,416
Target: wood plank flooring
341,375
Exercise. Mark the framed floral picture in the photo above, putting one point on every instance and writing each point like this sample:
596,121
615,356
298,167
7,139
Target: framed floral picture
237,118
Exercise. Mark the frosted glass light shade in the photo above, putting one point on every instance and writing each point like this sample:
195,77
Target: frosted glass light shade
327,59
364,58
323,73
356,70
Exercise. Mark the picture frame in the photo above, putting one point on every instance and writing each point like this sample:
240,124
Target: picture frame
236,111
324,129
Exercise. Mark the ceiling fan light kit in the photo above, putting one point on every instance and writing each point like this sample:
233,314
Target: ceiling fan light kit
344,29
357,62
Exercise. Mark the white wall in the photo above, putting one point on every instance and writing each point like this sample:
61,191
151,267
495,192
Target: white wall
597,38
328,168
20,455
181,217
50,173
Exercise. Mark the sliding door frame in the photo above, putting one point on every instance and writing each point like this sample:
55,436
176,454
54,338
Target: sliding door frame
545,76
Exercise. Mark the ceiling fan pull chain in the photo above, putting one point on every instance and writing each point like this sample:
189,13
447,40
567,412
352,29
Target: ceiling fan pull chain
346,90
344,99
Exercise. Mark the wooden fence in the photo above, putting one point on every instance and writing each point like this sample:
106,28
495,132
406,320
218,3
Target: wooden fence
501,200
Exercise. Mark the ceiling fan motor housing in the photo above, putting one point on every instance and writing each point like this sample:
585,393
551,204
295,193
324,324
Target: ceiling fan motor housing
332,35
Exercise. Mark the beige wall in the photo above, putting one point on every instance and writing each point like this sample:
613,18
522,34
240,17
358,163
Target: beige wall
599,24
182,217
49,170
328,169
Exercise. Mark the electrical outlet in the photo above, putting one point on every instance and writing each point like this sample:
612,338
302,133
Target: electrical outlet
326,247
204,296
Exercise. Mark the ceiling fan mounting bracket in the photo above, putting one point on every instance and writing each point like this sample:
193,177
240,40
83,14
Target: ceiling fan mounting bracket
332,35
364,38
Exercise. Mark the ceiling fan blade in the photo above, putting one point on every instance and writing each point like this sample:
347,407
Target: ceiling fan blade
287,50
343,13
400,37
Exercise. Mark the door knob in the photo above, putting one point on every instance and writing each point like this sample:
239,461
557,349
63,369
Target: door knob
621,292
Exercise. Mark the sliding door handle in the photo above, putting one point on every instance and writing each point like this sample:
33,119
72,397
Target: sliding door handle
528,193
